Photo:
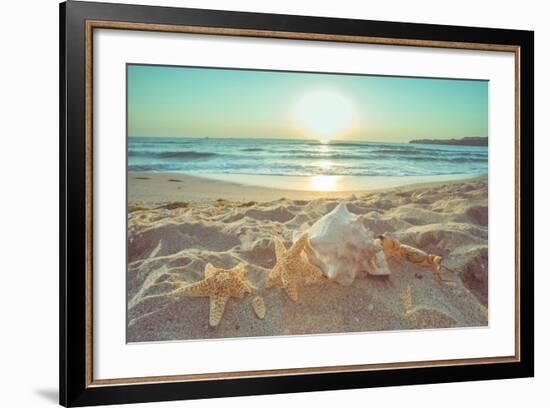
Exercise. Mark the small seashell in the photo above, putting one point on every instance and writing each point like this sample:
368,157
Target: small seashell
259,306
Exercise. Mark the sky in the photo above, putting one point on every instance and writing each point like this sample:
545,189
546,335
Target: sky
204,102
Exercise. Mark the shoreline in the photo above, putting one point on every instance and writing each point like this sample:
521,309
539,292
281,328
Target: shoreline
164,187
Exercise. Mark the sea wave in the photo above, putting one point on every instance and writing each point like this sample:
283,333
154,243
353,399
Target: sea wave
189,154
415,151
373,155
302,158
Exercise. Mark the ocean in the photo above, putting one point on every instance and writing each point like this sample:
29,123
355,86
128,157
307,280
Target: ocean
301,157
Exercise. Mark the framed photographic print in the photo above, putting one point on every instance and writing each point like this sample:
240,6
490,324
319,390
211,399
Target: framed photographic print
256,203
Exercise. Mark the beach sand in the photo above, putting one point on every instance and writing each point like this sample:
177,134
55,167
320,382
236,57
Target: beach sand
178,223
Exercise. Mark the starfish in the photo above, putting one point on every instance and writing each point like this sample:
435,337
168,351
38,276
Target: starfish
291,268
219,285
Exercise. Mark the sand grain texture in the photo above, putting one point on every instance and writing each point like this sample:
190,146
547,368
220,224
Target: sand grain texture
170,242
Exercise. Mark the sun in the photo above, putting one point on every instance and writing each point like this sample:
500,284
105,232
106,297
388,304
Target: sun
324,113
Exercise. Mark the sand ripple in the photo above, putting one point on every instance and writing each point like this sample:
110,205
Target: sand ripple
172,242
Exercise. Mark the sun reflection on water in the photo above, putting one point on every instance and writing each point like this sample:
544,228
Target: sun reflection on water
324,164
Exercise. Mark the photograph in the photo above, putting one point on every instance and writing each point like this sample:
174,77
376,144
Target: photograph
278,203
257,201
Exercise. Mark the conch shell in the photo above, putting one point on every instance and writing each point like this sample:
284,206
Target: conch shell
342,247
395,249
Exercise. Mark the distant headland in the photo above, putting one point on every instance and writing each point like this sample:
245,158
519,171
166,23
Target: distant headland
465,141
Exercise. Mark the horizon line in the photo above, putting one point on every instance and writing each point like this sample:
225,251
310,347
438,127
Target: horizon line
304,139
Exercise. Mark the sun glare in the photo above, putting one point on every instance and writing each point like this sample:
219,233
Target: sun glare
323,183
324,114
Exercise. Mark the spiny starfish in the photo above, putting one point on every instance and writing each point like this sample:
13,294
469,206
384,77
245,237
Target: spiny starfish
291,268
219,285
